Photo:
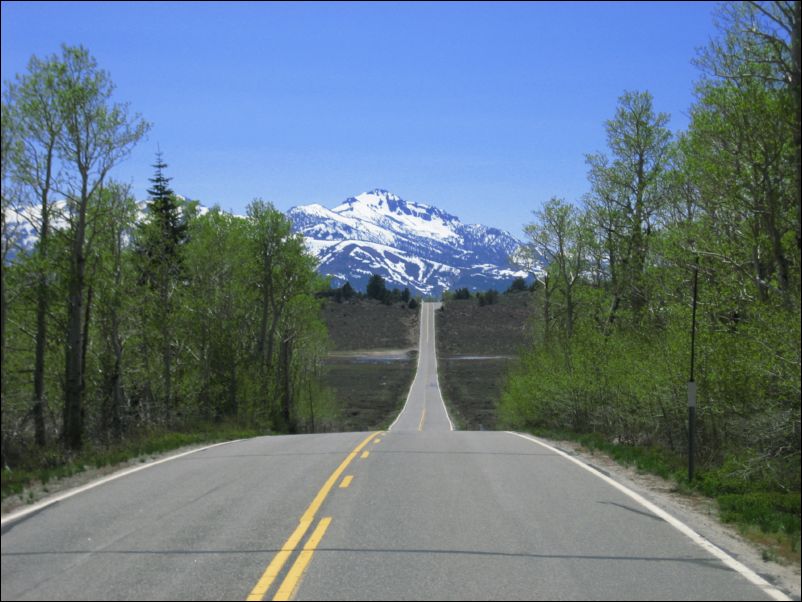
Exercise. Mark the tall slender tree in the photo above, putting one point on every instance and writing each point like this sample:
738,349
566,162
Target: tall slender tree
98,134
559,236
162,238
34,101
627,191
760,43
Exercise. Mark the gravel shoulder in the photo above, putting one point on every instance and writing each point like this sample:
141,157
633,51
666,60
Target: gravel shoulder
698,512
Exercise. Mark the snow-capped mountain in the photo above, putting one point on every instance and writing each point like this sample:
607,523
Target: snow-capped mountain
408,244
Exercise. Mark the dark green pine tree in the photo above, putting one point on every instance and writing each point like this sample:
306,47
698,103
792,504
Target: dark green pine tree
161,240
377,288
165,213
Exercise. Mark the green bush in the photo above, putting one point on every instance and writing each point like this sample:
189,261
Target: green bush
772,512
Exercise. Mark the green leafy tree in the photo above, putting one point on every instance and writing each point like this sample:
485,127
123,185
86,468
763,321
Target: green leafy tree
268,235
115,297
560,235
627,191
33,100
760,45
97,135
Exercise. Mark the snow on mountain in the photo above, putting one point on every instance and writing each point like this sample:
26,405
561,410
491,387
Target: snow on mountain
408,244
22,224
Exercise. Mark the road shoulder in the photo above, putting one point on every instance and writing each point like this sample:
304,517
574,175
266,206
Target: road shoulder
698,512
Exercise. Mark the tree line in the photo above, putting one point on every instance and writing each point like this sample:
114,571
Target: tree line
376,289
719,203
126,316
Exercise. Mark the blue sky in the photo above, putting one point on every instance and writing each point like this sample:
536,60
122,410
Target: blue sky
485,110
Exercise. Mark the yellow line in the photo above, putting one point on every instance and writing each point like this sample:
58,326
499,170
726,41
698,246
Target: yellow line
275,566
422,418
324,491
346,481
365,454
293,579
272,571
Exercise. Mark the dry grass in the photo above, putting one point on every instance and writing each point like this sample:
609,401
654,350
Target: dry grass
476,346
369,387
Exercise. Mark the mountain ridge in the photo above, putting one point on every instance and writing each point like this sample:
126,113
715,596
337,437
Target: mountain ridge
408,243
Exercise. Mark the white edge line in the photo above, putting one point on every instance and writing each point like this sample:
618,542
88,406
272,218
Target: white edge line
728,560
71,492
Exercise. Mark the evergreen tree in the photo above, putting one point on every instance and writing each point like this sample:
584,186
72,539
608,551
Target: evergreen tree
518,286
376,288
348,291
169,229
161,239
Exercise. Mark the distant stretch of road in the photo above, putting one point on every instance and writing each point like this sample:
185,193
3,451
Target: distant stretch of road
419,512
424,409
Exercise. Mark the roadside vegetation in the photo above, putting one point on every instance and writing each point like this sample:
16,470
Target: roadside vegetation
698,227
128,327
44,467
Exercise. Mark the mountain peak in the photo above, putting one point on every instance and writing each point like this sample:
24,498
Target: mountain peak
381,192
377,196
408,243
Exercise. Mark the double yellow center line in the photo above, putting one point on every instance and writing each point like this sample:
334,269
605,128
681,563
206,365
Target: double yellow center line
295,573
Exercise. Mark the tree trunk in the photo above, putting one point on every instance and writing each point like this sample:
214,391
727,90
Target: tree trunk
42,303
796,92
39,403
286,361
73,390
167,351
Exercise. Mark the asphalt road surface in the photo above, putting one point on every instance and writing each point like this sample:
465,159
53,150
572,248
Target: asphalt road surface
420,512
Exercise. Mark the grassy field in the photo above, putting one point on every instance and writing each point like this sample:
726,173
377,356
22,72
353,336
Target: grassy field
466,328
369,393
471,388
476,346
372,361
365,324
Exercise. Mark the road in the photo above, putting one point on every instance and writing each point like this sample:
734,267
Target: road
424,409
417,512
